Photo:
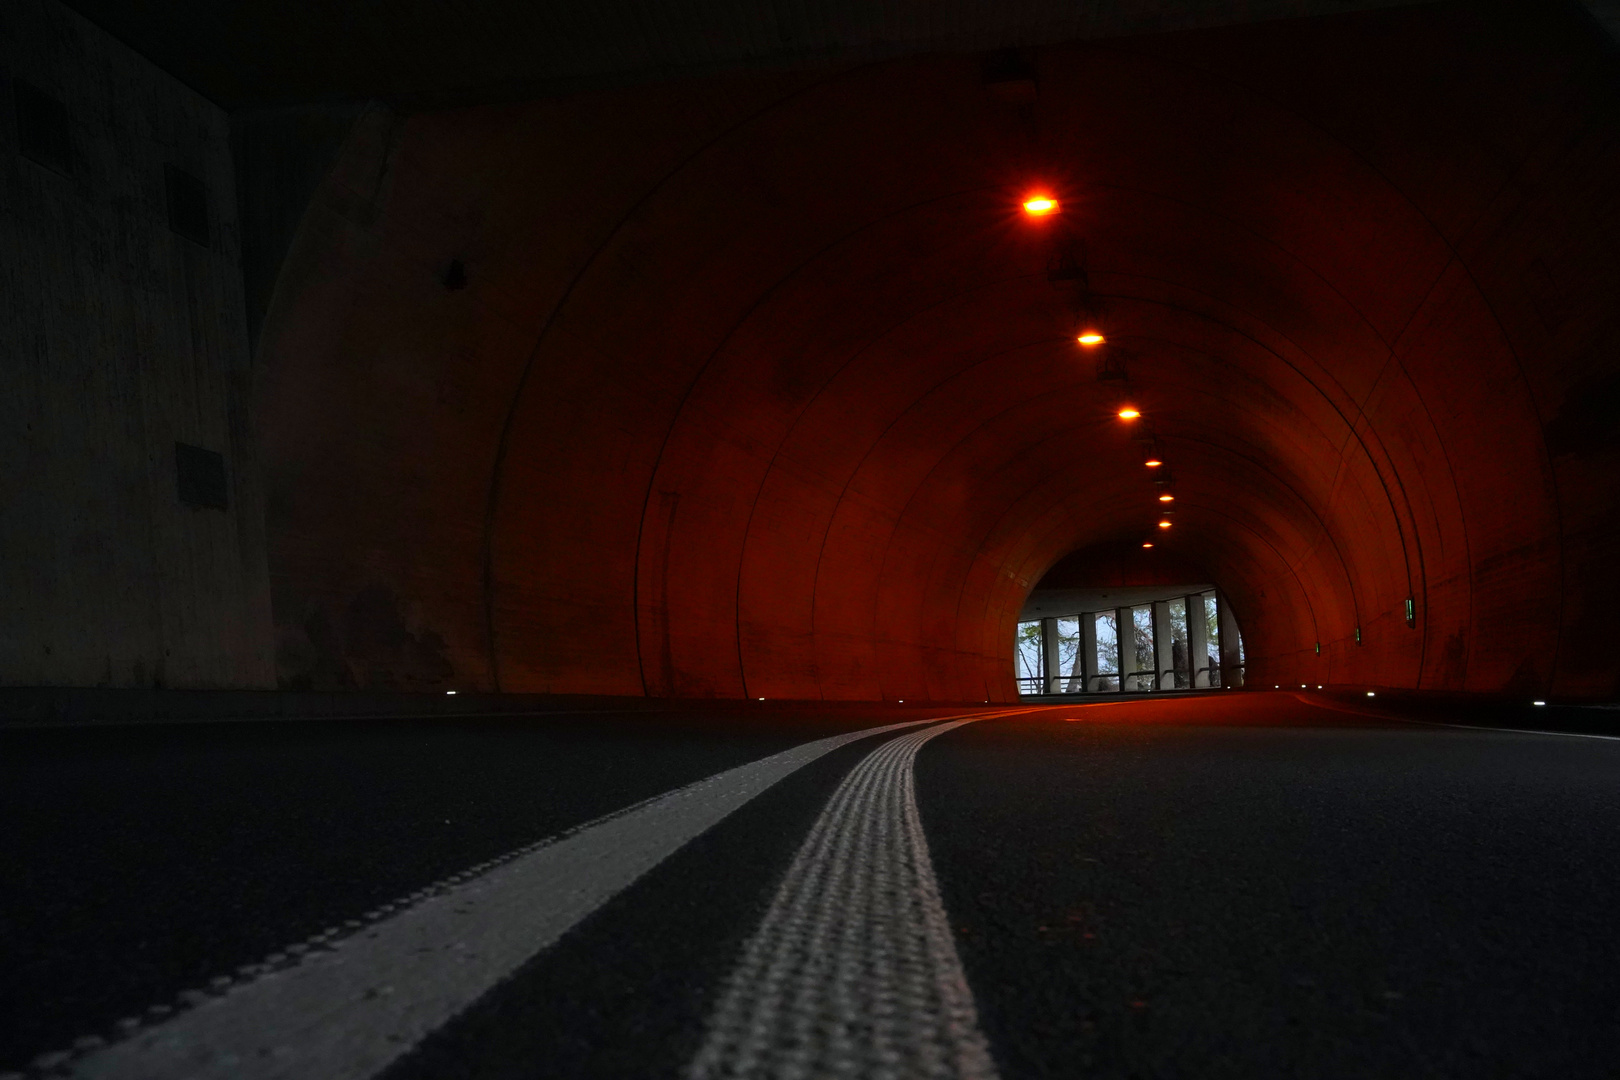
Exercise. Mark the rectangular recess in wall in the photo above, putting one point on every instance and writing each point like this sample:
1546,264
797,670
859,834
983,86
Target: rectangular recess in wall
43,131
188,204
200,476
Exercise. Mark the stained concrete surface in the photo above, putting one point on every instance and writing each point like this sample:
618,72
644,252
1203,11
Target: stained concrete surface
119,338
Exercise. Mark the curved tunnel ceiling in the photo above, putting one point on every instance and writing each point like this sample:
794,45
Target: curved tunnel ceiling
274,53
759,387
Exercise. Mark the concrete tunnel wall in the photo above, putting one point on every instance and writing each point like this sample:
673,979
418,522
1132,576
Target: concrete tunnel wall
755,385
119,338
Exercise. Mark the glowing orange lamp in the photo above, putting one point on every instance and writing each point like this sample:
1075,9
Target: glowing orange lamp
1167,497
1128,413
1164,524
1153,463
1090,338
1040,205
1147,543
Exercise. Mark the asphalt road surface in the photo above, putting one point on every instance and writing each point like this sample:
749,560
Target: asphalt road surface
1255,884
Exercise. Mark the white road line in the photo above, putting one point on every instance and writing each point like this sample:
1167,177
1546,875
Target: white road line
1353,711
853,971
348,1012
1512,730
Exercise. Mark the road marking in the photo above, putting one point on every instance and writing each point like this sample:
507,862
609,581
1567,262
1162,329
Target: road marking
1336,707
1514,730
853,971
348,1011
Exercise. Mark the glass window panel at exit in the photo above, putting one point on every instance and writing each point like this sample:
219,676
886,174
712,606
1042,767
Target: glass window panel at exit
1179,657
1107,658
1139,649
1068,674
1212,637
1027,657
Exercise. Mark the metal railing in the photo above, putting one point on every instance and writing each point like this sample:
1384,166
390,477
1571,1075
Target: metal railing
1108,682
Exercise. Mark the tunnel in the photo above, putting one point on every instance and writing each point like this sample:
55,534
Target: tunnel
559,438
767,386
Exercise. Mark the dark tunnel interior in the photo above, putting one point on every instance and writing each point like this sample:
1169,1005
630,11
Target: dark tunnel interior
629,539
766,386
761,383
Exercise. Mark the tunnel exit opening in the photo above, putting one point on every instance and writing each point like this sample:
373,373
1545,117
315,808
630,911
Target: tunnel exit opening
1150,641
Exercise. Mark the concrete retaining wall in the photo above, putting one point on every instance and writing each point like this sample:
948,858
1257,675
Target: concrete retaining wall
119,338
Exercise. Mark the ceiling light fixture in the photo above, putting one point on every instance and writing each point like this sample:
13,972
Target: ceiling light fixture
1091,337
1167,497
1040,205
1147,543
1153,463
1128,413
1164,524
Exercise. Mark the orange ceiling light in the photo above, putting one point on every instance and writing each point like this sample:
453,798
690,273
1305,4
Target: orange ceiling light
1040,205
1167,497
1147,543
1090,338
1129,412
1164,524
1153,463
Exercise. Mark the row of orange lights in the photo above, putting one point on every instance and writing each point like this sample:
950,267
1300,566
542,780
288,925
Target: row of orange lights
1042,205
1130,412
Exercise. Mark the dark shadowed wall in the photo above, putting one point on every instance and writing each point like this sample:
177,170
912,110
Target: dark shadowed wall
120,337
